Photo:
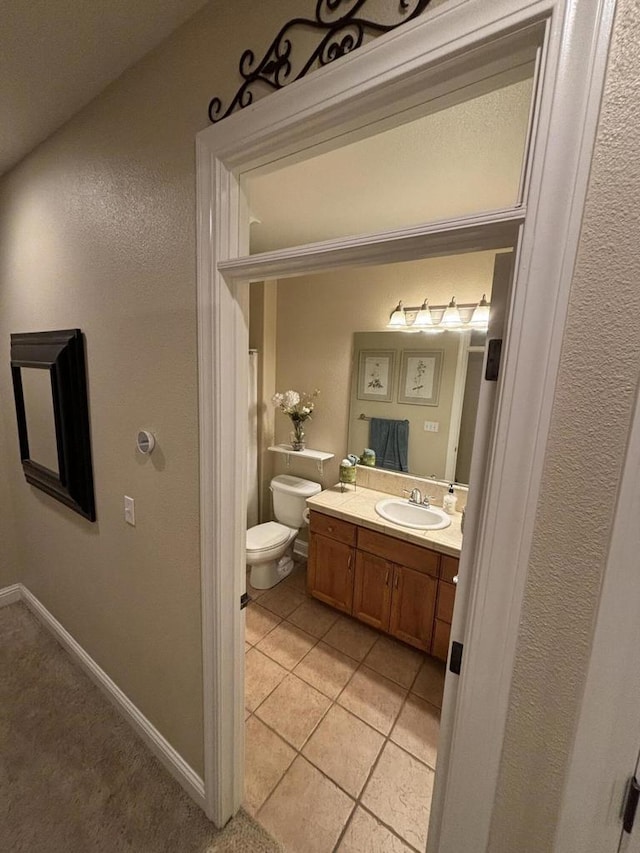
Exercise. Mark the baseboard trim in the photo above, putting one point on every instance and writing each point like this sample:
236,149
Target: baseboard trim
301,548
182,772
10,594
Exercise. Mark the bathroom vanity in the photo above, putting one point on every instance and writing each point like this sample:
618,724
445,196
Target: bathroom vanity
394,579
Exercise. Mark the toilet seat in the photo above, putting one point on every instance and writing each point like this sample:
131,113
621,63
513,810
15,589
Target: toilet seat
265,537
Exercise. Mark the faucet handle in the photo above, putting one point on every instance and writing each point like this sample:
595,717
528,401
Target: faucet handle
426,501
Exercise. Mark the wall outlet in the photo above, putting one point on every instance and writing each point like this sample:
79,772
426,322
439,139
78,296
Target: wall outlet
431,426
130,510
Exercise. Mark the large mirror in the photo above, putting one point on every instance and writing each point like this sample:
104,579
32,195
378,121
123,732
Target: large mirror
49,385
414,400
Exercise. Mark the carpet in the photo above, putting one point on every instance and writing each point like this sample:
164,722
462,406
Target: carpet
74,777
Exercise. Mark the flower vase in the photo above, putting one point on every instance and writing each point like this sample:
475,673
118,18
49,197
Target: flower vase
297,437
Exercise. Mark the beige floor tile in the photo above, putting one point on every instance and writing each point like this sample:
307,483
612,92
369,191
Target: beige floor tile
259,623
351,637
326,669
293,710
399,793
417,729
313,617
261,676
373,698
344,748
287,644
267,757
298,578
282,600
306,813
394,660
252,590
367,835
429,683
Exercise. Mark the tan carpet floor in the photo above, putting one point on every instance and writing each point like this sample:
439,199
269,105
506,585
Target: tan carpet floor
74,778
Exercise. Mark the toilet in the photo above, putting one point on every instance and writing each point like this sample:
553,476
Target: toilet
269,545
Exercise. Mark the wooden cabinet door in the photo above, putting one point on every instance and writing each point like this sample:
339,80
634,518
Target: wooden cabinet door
330,572
372,590
413,604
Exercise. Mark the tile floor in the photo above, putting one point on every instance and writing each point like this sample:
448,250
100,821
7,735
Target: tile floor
341,728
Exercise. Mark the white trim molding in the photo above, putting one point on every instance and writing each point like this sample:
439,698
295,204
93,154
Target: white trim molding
456,48
10,594
182,772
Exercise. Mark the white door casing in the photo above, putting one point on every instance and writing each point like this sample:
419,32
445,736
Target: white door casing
463,38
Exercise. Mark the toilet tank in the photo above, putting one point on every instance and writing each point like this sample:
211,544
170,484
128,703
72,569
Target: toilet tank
289,498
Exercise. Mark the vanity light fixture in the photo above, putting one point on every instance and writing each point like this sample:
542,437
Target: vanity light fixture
440,318
423,320
451,318
480,316
397,320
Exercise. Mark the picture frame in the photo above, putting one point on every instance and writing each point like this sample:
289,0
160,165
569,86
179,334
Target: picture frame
376,375
420,377
50,392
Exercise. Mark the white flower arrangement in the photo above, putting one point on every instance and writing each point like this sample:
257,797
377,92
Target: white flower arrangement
299,407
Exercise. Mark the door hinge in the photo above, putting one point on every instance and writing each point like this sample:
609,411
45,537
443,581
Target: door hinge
492,370
630,804
245,598
455,661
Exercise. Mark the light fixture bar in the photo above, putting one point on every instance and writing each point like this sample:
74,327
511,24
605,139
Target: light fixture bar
440,318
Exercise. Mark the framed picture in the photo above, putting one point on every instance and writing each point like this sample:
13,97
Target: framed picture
375,375
420,374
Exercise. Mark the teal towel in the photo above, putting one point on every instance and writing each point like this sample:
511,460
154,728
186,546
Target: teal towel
389,439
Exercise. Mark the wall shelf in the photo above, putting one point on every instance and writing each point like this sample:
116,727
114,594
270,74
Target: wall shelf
319,456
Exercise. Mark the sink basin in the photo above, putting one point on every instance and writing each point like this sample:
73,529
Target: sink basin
412,515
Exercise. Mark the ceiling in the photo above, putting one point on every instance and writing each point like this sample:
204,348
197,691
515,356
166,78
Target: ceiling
57,55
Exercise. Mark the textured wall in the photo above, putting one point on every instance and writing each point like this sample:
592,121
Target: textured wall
97,230
598,376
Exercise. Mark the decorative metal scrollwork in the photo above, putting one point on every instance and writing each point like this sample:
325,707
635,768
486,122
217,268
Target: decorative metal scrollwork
344,31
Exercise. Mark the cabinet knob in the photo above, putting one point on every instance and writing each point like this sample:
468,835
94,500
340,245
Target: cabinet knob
455,579
330,529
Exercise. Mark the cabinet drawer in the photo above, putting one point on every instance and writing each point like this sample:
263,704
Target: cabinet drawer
334,528
403,553
446,597
448,567
440,644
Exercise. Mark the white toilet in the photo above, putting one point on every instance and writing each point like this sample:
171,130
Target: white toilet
269,545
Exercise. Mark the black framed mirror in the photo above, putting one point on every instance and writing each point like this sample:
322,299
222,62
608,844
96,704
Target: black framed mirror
50,391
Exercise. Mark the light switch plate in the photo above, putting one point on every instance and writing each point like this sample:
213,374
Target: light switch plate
130,510
431,426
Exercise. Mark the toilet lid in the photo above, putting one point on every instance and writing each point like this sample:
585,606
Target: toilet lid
267,535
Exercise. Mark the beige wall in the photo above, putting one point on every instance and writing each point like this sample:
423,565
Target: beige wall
317,316
598,378
9,569
97,230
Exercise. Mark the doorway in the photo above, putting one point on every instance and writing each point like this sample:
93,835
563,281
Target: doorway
336,700
470,37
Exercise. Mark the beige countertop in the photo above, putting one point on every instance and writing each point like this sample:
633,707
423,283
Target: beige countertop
357,504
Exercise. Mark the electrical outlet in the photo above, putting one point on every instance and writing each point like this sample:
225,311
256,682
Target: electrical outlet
431,426
130,510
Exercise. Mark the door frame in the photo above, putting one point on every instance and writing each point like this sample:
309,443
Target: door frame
398,68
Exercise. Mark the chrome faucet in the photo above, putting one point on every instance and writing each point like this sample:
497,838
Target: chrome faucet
415,497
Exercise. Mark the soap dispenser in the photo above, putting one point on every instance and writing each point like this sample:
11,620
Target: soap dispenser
449,501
